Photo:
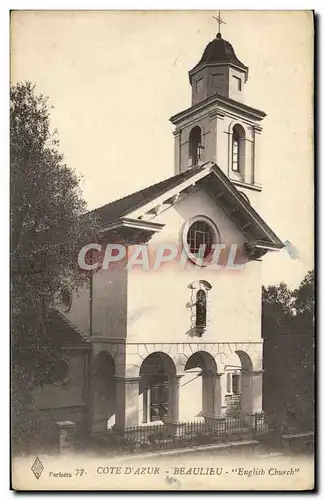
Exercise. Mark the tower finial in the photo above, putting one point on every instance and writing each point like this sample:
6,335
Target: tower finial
219,21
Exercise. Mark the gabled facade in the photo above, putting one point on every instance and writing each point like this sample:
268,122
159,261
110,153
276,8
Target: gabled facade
182,341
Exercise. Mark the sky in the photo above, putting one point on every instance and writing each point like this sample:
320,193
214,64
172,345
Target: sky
115,78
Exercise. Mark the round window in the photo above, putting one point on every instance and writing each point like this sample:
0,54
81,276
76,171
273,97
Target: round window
199,239
66,299
59,372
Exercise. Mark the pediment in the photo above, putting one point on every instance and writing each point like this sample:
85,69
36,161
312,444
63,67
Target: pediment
140,210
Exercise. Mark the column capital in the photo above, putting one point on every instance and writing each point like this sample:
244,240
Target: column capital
257,372
211,373
127,380
175,377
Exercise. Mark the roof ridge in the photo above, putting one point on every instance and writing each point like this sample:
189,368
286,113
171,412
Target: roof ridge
192,172
143,189
118,208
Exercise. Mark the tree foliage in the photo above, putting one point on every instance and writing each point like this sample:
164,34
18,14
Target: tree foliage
304,302
285,310
288,332
49,225
277,310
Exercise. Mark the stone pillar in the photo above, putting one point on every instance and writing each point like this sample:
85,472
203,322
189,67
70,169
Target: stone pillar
217,141
257,379
213,413
207,393
142,408
211,394
217,401
247,392
257,160
127,402
177,151
66,431
249,158
211,139
173,402
172,422
102,403
223,392
96,423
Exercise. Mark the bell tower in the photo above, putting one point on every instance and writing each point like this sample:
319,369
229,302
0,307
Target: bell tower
219,126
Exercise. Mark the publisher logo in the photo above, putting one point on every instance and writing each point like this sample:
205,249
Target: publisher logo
37,468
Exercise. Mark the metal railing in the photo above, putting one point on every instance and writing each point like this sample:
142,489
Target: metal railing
167,436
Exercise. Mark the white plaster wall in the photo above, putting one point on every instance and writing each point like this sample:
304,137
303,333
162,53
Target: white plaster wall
156,308
255,198
157,299
79,312
110,302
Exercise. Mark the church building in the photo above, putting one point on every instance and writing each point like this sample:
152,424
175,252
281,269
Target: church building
176,343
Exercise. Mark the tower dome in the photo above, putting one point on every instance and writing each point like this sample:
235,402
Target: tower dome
219,71
220,51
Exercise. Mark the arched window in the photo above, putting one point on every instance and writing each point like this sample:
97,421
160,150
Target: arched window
198,307
238,146
201,309
195,146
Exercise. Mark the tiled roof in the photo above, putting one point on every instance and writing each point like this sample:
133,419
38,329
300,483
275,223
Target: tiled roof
122,206
63,333
220,51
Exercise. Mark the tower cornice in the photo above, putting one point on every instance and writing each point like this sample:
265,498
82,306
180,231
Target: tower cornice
224,103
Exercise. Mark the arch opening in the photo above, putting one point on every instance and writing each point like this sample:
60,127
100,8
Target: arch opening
195,146
239,384
201,386
154,387
238,149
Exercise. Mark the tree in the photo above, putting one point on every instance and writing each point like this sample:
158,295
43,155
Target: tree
288,330
284,309
304,302
277,310
49,226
